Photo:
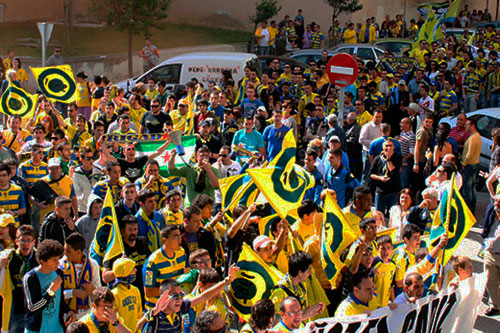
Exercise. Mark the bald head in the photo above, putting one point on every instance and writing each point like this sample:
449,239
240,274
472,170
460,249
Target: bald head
405,124
351,117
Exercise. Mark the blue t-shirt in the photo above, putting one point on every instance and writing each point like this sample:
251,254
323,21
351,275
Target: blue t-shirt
377,146
219,112
251,141
274,139
50,317
250,107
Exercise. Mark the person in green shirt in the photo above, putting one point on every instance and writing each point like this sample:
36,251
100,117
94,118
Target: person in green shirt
200,178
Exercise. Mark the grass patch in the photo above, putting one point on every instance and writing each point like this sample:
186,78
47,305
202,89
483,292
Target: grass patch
96,41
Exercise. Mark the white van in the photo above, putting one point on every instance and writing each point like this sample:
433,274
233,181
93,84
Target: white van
204,66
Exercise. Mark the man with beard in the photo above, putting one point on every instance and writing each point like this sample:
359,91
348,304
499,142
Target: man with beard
136,248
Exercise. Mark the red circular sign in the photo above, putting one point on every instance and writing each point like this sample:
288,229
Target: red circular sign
342,70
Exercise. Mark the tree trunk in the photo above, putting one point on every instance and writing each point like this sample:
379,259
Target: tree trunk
252,39
130,60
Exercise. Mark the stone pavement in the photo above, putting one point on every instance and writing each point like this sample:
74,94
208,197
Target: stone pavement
471,247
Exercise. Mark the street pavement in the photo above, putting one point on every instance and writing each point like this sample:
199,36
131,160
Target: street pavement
471,247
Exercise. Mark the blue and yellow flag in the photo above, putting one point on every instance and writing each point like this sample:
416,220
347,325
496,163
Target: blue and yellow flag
283,183
454,217
17,102
57,83
6,289
108,243
254,281
450,13
426,31
337,235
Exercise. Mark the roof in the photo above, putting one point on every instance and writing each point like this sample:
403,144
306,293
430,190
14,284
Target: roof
232,56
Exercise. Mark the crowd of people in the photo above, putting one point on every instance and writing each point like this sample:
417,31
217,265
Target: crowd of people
387,165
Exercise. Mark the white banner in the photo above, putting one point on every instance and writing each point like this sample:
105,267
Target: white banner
449,311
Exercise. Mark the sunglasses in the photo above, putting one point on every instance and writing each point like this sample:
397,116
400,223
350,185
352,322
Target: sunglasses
154,106
223,155
130,149
178,296
54,138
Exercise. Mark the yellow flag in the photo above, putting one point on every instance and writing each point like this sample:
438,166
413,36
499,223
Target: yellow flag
283,182
254,281
17,102
108,242
454,217
337,235
57,83
237,190
6,291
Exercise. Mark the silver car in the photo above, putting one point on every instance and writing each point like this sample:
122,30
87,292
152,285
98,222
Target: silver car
487,119
365,52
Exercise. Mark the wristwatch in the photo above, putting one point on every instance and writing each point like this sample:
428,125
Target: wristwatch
116,323
50,292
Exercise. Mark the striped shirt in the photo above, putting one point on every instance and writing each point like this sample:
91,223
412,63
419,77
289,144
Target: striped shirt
317,37
447,100
160,267
471,83
32,172
12,199
460,135
377,99
407,142
101,188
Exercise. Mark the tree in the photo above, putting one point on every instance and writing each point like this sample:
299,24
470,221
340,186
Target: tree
343,6
264,10
133,16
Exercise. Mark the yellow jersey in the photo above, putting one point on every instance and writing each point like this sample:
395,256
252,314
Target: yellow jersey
11,140
128,304
404,260
383,280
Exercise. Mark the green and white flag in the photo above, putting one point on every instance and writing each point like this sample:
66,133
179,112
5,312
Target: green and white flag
147,148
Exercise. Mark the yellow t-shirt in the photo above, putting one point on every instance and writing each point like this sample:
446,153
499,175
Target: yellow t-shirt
22,75
404,260
11,141
305,230
128,305
136,115
179,120
383,280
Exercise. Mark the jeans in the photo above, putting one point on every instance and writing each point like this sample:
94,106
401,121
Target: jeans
17,323
406,173
470,103
366,167
468,187
495,100
492,268
263,50
384,202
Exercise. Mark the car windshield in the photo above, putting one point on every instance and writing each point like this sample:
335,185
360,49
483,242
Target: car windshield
394,47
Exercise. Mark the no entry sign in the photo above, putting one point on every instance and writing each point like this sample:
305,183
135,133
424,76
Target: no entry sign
342,70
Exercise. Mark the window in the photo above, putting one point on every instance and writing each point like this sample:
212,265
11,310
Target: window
348,50
379,53
365,53
485,124
169,73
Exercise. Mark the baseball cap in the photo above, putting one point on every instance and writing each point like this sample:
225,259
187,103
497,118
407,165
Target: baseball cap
6,220
54,161
334,138
402,82
391,76
183,102
123,267
261,108
207,122
261,241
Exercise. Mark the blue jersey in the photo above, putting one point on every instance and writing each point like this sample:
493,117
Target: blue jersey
274,140
376,146
338,180
314,193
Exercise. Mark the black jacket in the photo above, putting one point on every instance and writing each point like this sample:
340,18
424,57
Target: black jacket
55,228
37,300
121,211
489,219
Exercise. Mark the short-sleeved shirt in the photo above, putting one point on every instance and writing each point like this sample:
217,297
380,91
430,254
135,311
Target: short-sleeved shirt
403,260
160,267
251,141
250,107
31,172
154,124
274,137
164,323
12,199
424,135
128,304
101,188
447,100
351,306
132,170
383,280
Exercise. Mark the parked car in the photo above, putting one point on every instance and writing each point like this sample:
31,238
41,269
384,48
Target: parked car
264,62
457,32
365,52
308,54
205,66
487,119
395,45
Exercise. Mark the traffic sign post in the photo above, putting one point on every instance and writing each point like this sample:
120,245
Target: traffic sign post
342,70
45,30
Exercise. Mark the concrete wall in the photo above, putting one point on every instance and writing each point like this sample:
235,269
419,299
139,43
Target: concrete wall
115,66
229,13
